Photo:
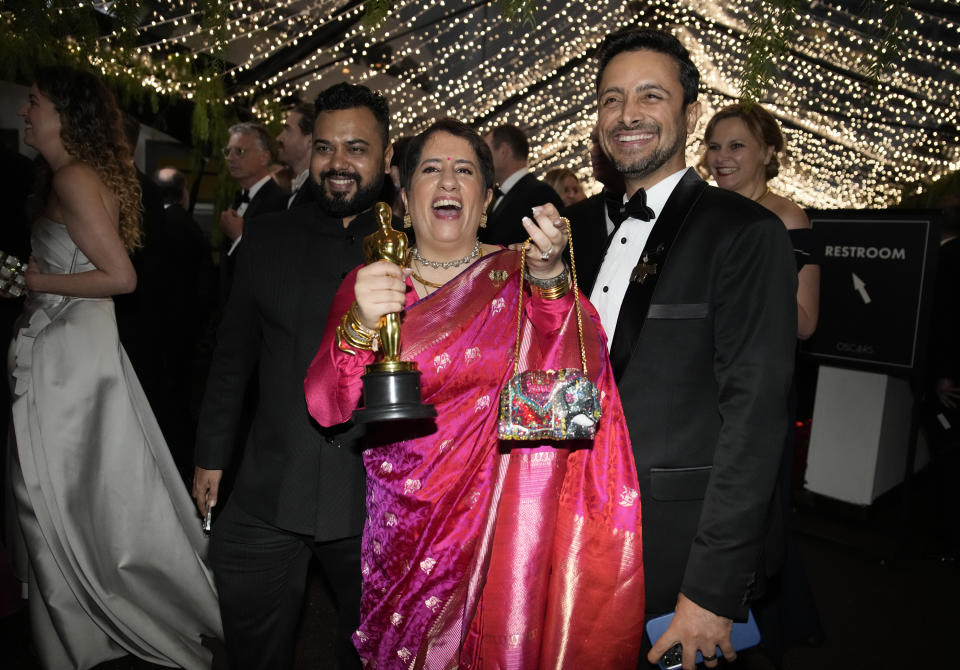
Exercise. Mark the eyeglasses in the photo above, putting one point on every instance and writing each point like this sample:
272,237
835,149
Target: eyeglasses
237,150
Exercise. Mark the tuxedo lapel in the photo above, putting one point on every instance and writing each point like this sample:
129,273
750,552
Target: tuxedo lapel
589,240
636,301
303,196
519,190
268,198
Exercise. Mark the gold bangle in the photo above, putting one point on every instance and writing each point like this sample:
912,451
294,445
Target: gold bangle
346,339
554,292
357,324
352,332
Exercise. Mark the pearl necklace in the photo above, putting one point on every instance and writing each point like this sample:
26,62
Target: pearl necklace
446,265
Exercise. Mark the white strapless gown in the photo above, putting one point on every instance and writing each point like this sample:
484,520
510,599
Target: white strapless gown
109,541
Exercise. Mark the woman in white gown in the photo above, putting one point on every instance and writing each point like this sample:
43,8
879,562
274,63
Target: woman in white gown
105,534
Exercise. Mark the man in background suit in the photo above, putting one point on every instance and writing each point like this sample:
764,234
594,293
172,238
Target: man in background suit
593,220
518,191
300,488
169,311
249,154
295,143
698,291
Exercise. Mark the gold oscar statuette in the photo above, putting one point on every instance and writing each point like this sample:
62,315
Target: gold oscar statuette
391,387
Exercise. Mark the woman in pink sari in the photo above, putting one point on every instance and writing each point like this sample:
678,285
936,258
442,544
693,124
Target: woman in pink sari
479,553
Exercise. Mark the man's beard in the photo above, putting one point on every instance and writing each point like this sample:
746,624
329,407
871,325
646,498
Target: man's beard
645,165
341,204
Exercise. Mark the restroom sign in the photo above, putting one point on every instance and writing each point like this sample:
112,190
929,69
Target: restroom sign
876,282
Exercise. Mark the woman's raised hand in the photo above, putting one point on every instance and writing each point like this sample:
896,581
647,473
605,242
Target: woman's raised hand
379,290
548,233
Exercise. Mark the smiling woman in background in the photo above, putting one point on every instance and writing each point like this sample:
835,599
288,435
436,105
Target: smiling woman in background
564,181
743,148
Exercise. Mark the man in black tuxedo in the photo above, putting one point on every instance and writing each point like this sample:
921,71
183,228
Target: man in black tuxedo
593,220
518,190
300,488
295,144
698,291
249,154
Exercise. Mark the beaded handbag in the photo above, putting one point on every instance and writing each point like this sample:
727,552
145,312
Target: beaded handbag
549,404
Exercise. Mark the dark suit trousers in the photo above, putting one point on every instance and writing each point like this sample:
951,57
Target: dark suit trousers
261,575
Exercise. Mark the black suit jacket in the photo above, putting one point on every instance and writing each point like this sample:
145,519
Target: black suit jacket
505,222
268,199
704,383
305,195
588,224
945,324
294,474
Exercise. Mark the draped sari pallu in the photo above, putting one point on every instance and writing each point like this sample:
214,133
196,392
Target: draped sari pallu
479,553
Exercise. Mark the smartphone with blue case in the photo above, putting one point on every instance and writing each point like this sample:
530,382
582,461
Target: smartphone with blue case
743,636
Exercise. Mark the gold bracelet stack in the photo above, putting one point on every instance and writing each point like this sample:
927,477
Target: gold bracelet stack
352,332
553,288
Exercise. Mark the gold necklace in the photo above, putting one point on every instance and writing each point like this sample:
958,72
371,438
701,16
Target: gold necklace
478,251
763,195
424,281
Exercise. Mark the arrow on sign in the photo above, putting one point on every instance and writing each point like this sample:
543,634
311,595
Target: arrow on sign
860,287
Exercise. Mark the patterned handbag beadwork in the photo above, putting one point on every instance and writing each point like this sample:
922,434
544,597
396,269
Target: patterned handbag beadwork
549,404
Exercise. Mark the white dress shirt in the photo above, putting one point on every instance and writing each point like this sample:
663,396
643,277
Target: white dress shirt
625,248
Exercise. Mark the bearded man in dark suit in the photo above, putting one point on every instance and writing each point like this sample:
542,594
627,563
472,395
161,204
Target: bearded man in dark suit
698,291
518,190
300,488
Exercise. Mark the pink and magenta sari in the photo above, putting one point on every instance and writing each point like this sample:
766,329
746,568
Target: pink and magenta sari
479,553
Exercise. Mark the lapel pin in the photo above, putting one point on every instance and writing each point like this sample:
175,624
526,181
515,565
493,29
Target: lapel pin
643,270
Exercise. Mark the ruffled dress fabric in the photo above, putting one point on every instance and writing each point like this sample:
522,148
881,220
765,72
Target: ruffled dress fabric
105,533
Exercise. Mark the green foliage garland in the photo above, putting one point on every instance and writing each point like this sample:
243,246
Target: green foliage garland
887,47
773,31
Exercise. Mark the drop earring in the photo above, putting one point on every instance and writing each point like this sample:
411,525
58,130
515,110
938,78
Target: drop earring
483,220
407,221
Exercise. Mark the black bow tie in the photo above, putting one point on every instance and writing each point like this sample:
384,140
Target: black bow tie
614,204
636,207
242,197
497,193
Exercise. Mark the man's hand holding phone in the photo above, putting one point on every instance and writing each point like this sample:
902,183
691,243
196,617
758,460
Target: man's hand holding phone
697,630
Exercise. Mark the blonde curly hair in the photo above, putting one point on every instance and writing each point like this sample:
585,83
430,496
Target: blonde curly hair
91,127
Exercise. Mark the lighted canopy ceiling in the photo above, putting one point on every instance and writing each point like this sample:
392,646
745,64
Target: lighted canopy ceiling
849,144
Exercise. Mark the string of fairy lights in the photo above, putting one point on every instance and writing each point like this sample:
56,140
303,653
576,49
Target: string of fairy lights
850,143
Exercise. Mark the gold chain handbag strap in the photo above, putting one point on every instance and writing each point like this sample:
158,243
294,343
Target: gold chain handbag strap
576,301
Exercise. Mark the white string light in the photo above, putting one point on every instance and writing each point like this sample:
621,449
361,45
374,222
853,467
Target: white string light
849,144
